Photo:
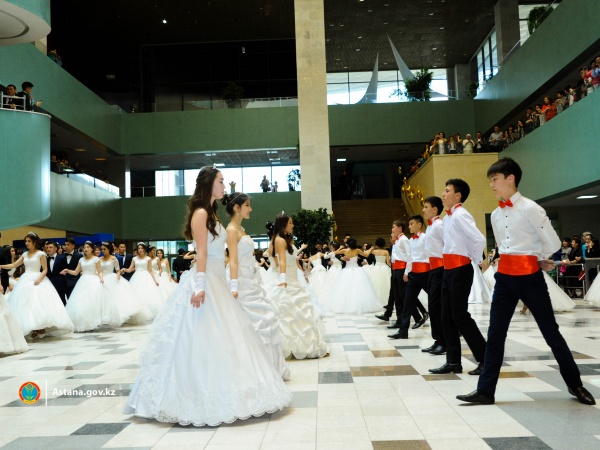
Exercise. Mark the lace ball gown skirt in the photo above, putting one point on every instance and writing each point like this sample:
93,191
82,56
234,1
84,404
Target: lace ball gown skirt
264,318
11,335
130,307
205,366
148,291
38,307
381,278
353,293
88,308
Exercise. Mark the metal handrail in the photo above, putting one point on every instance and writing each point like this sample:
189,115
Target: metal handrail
15,97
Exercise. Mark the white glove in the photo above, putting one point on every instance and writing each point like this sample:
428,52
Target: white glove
200,282
282,278
233,285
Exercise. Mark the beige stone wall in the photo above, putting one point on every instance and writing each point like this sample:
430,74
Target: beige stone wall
431,179
17,234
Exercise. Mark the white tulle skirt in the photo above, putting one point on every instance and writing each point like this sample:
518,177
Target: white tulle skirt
207,365
560,300
318,280
11,335
480,292
263,316
88,308
301,325
488,277
130,307
167,286
381,278
268,276
593,295
38,307
147,290
352,293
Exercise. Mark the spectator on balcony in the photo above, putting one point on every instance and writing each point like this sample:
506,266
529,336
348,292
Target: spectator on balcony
596,73
559,103
459,146
275,186
541,117
30,103
12,103
520,130
549,109
511,136
530,120
496,142
468,144
572,96
54,167
451,146
76,168
480,144
265,185
441,143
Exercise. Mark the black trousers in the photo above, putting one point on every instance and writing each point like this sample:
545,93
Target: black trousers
532,289
397,296
416,283
434,291
456,319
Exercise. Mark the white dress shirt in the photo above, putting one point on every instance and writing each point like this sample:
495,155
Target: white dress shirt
434,244
417,251
524,229
461,235
401,249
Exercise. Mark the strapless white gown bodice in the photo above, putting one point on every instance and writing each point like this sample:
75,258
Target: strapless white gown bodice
380,259
246,260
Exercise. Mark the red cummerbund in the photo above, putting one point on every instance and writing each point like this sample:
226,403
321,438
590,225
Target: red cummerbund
454,261
397,265
420,267
518,264
436,262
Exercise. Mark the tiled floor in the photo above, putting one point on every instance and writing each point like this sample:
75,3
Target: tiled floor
370,393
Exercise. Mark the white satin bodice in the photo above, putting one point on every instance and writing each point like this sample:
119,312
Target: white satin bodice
141,264
246,260
352,263
380,259
33,263
88,266
163,265
215,250
316,262
109,267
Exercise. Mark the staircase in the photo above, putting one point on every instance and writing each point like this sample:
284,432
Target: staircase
366,220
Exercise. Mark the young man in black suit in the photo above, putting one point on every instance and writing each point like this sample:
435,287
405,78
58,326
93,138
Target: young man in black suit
124,260
72,257
56,263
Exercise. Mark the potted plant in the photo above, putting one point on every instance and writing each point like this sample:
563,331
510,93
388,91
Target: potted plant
293,179
536,16
232,94
417,89
313,226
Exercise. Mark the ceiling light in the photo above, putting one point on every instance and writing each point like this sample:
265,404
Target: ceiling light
385,23
431,14
358,49
164,20
219,164
434,48
100,159
164,167
441,28
583,197
79,149
360,37
341,159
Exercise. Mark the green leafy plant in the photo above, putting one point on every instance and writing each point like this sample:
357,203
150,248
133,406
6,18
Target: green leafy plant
472,89
418,89
536,16
294,179
233,94
313,226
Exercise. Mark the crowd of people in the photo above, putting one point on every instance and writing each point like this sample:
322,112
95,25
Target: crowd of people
271,307
22,100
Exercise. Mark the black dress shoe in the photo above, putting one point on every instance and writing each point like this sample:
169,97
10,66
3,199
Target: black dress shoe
583,395
447,368
477,370
477,397
398,336
383,317
439,349
428,349
394,325
421,322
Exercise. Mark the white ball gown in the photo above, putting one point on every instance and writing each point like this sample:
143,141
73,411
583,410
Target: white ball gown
480,292
593,294
352,292
488,276
130,307
207,365
164,287
38,307
11,335
87,307
381,278
301,325
334,270
145,287
318,278
257,307
270,275
166,283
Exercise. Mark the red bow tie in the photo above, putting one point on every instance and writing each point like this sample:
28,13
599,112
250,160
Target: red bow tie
429,222
506,203
449,211
415,236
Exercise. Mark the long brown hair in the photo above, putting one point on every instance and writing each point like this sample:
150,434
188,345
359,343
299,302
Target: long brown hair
281,222
201,199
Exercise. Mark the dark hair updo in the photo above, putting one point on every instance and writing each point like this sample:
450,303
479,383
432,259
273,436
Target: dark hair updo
108,246
380,242
352,243
235,198
35,240
270,226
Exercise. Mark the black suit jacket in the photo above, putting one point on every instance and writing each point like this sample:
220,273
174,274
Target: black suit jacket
59,281
4,259
125,262
71,279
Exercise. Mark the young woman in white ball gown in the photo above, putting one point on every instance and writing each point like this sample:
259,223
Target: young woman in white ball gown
87,307
11,335
204,364
35,304
269,276
380,273
245,281
317,279
117,289
302,327
352,291
166,278
335,265
144,282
